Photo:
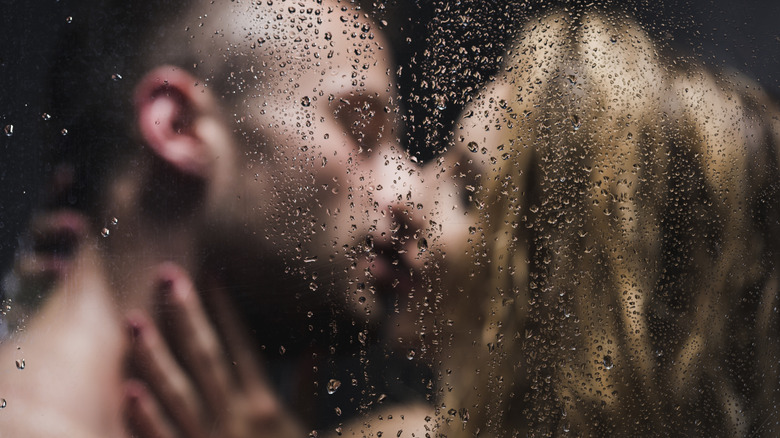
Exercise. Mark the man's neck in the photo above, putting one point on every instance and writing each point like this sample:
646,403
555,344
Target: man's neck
138,243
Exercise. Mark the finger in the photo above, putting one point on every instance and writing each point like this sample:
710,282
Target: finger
263,405
157,365
145,416
247,365
195,335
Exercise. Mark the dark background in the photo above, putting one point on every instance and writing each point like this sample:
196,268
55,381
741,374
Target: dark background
723,34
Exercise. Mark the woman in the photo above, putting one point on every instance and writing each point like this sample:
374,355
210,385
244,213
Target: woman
629,243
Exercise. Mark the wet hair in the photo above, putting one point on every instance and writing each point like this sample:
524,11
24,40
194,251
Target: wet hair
631,245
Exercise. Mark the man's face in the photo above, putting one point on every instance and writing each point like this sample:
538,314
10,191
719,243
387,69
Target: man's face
321,203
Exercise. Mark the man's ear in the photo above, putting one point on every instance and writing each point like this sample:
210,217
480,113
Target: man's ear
168,106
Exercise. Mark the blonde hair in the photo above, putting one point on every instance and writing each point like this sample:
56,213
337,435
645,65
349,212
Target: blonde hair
630,234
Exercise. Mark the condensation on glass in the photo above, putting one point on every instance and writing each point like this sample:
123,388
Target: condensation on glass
328,218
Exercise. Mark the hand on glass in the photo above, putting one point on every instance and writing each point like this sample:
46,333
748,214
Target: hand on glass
192,384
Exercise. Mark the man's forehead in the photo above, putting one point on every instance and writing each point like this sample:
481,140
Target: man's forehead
274,30
275,50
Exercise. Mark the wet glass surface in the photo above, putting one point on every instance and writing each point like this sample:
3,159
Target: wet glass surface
390,218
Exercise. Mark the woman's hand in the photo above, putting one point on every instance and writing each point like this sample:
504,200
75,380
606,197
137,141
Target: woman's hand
193,381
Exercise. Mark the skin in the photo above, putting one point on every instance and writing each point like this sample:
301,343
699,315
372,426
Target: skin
272,181
303,173
463,165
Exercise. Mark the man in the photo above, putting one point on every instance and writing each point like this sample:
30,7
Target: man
270,169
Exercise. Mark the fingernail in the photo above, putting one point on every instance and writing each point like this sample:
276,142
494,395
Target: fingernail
168,282
165,285
134,391
136,331
135,327
135,322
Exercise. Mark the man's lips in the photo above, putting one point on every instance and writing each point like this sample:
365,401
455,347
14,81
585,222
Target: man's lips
399,309
381,268
393,280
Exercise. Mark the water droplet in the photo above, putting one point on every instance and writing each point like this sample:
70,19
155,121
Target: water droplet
306,101
630,136
422,245
46,116
410,354
64,131
575,122
473,146
69,19
441,103
572,79
8,130
114,221
310,259
116,77
105,232
328,36
333,385
20,364
282,350
608,364
3,403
